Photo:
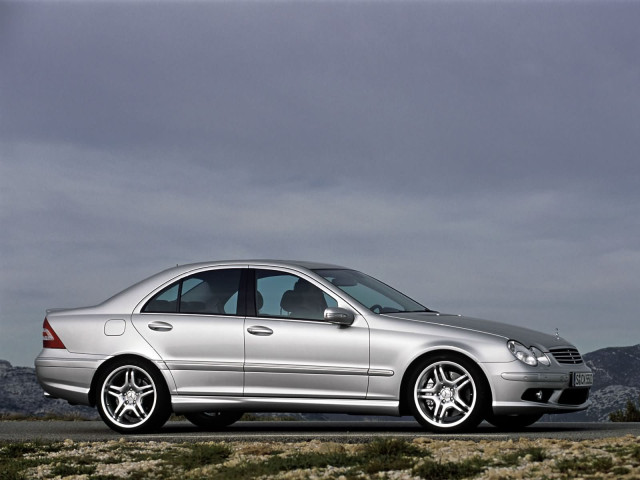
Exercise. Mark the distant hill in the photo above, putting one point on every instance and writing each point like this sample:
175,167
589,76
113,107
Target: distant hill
21,394
617,380
615,366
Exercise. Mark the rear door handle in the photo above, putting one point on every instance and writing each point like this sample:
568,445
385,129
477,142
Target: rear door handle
160,326
260,331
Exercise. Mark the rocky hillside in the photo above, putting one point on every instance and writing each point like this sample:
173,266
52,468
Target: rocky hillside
21,394
617,380
615,366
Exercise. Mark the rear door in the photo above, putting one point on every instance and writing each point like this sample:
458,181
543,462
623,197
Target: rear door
196,326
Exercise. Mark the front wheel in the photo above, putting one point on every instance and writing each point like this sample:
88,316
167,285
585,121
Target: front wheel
213,420
448,393
512,422
132,397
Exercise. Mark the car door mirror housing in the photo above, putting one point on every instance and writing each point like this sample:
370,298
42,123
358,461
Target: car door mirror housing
339,316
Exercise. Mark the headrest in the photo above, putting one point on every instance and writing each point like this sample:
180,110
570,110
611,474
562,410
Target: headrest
259,301
289,301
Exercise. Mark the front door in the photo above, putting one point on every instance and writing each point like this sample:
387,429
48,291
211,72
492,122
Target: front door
290,351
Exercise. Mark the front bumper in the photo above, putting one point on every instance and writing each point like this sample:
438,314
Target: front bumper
518,389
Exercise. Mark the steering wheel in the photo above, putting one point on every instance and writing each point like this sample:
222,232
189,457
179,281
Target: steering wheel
376,306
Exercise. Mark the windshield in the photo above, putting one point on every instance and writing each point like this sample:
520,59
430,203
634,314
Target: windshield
373,294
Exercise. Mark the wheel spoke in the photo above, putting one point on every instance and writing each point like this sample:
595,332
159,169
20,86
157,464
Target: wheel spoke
432,397
119,388
461,381
148,392
451,406
115,391
426,392
438,411
460,405
138,411
117,413
458,399
127,378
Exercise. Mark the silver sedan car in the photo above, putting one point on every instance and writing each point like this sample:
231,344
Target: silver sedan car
214,340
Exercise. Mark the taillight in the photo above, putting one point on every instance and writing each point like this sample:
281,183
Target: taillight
49,338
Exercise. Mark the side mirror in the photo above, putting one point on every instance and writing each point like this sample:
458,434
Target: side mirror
339,316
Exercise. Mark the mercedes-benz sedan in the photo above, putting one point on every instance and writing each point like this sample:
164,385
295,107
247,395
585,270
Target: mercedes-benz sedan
214,340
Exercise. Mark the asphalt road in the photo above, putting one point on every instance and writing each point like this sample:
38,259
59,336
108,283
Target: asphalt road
344,432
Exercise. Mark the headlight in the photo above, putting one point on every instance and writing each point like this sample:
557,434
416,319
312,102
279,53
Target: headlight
541,356
522,353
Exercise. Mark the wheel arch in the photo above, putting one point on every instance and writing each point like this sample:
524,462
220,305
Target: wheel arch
455,353
118,358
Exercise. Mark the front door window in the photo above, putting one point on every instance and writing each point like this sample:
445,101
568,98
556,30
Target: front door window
280,294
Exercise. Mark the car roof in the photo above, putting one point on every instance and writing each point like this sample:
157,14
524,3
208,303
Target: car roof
132,295
309,265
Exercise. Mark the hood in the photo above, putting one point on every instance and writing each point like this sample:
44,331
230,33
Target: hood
523,335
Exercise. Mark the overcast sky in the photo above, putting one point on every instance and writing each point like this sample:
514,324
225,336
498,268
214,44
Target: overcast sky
483,157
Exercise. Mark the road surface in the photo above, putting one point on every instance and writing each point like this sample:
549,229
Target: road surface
342,431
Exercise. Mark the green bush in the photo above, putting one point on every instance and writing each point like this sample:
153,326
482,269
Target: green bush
631,413
451,470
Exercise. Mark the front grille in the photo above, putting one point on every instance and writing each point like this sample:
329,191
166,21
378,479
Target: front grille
566,355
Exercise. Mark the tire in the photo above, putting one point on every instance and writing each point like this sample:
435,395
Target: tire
213,420
132,397
448,393
512,422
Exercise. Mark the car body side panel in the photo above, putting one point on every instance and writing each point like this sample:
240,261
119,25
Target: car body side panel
90,340
307,358
205,353
84,332
395,344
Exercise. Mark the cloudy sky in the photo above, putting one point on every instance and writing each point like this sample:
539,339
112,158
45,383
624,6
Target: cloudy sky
483,157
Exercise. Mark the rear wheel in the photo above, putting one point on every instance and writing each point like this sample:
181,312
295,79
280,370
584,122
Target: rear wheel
132,397
448,393
509,422
213,420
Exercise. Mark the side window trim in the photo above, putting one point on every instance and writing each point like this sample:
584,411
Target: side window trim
251,287
243,291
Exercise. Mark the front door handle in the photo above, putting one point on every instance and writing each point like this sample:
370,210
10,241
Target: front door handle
260,331
160,326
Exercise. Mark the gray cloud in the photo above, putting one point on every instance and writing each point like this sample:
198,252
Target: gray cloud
481,157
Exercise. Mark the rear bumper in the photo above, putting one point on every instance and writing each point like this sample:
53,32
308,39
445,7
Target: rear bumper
67,375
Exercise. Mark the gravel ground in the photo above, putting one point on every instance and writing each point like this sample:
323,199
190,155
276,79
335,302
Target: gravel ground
617,457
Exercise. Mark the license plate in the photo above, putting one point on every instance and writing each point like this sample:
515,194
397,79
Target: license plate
581,379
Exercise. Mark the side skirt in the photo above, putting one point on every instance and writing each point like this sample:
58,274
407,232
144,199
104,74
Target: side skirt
184,404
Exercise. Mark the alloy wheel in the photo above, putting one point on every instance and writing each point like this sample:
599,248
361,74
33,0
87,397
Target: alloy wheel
129,396
445,394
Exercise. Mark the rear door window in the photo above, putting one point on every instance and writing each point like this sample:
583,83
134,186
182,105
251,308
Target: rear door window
214,292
